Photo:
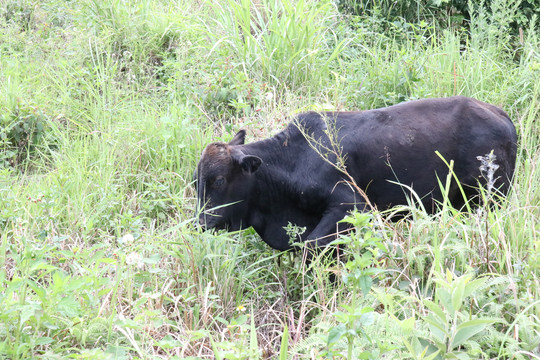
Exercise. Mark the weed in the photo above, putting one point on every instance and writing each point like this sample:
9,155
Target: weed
363,248
25,133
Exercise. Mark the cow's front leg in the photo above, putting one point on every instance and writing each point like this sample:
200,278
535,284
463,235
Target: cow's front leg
328,229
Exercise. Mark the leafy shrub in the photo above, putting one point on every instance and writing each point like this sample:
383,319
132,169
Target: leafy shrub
36,15
365,248
24,135
445,13
460,322
228,91
19,12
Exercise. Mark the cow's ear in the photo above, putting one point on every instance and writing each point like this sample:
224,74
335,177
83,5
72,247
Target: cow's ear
248,163
239,138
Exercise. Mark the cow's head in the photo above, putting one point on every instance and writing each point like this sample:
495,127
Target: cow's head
224,183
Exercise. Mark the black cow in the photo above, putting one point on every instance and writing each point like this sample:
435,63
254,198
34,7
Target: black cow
295,177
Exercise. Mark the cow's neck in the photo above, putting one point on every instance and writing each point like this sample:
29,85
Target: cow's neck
272,197
274,178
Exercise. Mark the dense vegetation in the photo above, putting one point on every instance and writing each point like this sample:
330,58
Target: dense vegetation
105,107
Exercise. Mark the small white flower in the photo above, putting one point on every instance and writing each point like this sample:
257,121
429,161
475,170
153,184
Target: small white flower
134,259
269,95
127,239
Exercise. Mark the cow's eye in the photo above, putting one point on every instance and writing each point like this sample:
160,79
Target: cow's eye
220,180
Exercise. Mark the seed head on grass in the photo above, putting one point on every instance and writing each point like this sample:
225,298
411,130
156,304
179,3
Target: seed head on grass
487,169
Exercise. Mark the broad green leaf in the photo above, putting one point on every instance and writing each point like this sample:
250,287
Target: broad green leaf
428,347
168,342
366,310
128,323
14,285
436,309
449,276
437,329
446,300
367,319
407,325
468,329
459,355
478,321
198,334
433,355
474,285
457,294
221,320
37,289
44,340
42,265
336,333
341,316
373,271
365,283
50,325
341,241
27,311
284,344
410,348
68,307
365,355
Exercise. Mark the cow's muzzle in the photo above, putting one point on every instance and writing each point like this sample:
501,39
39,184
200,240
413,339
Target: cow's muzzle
210,220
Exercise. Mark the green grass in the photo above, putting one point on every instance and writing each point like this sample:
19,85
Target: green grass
105,108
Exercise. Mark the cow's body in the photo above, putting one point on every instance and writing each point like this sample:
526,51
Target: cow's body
271,183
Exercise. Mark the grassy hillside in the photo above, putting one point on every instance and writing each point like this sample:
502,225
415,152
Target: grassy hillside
105,107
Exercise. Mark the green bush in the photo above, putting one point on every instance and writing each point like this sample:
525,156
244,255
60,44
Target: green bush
445,13
18,12
228,91
24,135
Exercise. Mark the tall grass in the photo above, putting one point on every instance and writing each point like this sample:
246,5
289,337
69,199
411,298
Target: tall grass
98,253
278,42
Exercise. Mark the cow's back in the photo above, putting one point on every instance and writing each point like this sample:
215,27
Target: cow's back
398,144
